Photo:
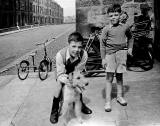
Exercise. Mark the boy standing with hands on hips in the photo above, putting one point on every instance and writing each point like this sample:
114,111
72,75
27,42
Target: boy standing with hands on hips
116,41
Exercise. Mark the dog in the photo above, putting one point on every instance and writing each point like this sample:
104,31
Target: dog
71,96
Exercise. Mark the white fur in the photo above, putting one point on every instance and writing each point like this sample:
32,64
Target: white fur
71,94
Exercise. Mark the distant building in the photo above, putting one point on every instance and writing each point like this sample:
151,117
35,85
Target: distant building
15,12
47,12
23,12
69,19
26,12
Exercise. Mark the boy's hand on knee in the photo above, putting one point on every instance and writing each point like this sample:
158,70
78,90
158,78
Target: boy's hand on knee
104,63
64,79
130,51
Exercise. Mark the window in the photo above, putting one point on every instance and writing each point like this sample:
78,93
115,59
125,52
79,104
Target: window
139,0
34,8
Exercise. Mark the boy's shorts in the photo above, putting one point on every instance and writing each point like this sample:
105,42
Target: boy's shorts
116,62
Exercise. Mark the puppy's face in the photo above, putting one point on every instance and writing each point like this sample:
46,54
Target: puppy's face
79,80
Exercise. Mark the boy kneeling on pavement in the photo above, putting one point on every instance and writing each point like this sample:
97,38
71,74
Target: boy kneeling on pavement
68,59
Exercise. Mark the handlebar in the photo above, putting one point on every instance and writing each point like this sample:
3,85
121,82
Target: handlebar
43,43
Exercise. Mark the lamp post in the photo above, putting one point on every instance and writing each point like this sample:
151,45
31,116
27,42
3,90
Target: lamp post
38,13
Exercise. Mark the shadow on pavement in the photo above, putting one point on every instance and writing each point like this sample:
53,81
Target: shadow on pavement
126,88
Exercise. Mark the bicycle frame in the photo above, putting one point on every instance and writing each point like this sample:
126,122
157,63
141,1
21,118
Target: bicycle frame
45,52
33,62
46,58
93,64
44,67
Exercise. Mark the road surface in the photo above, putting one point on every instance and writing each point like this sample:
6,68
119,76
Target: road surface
12,46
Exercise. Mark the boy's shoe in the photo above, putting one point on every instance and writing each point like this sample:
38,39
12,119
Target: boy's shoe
54,112
107,107
121,101
54,117
85,109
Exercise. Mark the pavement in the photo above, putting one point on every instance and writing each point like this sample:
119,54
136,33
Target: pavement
20,30
29,102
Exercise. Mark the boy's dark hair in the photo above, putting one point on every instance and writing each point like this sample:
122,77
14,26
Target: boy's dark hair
75,36
114,8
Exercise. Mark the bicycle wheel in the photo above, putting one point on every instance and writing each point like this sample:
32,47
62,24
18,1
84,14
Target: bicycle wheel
23,70
49,64
90,68
43,69
93,63
142,63
148,62
150,57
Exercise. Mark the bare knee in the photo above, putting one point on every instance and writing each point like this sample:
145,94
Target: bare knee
109,77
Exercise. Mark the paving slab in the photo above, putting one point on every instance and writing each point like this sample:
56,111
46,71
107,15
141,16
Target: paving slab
12,94
29,102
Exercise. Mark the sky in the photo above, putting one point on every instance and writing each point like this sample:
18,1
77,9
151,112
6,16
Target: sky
68,7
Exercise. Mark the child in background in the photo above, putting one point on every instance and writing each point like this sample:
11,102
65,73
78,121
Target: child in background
116,41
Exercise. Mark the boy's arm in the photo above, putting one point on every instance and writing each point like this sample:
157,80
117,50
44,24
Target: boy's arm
103,39
80,67
60,69
129,39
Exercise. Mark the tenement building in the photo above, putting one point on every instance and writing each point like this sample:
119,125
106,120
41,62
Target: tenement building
47,12
29,12
15,12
